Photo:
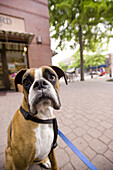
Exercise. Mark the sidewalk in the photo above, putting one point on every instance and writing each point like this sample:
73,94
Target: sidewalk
85,117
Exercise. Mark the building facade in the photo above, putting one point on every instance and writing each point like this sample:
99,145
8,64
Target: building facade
24,37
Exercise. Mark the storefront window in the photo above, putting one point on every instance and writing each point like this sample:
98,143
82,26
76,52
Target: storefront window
16,59
1,75
0,45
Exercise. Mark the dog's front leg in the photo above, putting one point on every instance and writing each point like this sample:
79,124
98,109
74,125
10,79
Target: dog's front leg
53,160
9,159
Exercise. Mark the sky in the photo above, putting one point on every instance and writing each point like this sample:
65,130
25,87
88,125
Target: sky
68,52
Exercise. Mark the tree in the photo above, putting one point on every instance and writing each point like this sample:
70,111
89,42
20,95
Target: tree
79,20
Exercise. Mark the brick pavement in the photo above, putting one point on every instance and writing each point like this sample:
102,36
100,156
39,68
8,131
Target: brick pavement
86,118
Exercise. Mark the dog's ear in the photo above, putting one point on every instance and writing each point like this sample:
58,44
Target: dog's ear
18,78
60,73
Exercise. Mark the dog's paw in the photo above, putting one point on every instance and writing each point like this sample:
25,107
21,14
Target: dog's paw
46,163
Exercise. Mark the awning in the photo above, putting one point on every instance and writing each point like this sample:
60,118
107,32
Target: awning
104,65
16,36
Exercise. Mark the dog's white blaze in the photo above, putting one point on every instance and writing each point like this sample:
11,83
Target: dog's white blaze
38,74
44,140
32,94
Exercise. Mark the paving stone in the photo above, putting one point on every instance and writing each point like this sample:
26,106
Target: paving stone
94,133
105,124
84,119
91,123
105,139
80,143
79,131
65,129
78,118
72,126
69,151
109,133
100,128
2,160
2,148
110,121
60,124
79,123
91,117
62,157
86,127
3,140
77,163
109,155
66,122
102,163
61,143
111,145
87,137
97,120
71,136
98,146
69,115
89,153
67,167
102,117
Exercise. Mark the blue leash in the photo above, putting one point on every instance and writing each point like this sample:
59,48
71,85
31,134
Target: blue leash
76,151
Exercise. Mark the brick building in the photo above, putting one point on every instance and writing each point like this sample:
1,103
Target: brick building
24,37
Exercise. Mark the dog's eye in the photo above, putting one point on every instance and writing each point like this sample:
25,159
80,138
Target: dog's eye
52,77
27,82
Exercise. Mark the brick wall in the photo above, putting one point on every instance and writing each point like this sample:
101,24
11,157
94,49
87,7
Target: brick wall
36,17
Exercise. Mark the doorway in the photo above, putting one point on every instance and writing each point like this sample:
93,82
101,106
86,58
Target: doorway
13,57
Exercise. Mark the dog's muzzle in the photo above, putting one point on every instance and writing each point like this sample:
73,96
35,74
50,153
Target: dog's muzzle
43,93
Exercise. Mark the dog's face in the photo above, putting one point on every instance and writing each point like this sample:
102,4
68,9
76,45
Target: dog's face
41,86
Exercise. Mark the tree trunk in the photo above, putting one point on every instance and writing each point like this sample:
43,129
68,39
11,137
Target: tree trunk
81,53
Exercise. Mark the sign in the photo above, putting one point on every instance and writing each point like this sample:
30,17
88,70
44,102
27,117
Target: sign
10,23
11,66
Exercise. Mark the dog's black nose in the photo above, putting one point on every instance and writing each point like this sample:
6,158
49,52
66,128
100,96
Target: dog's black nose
40,84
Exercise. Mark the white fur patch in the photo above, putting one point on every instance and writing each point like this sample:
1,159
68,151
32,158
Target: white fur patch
38,74
47,164
44,140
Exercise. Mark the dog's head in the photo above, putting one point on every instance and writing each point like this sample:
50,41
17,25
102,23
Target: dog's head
40,86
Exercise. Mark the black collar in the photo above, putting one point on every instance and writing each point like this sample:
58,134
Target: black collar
27,116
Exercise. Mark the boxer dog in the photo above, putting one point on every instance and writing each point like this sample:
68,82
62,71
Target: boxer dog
32,133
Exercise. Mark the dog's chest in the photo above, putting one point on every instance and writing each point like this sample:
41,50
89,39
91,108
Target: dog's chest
44,139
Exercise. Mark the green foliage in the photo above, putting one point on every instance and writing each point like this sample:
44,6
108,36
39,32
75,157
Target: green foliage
76,60
67,15
92,59
63,66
